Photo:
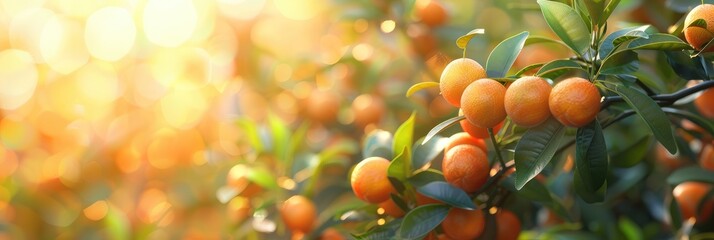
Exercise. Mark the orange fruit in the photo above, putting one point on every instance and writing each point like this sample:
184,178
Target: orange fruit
697,36
705,103
463,224
457,75
391,208
466,167
238,180
706,159
508,225
574,102
331,234
323,106
667,160
475,131
526,101
465,138
424,42
239,209
299,214
369,180
688,196
421,199
431,12
483,103
368,109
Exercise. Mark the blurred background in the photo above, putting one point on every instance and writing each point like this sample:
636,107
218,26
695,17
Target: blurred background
159,119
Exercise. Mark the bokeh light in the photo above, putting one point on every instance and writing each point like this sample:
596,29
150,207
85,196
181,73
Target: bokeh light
110,33
169,23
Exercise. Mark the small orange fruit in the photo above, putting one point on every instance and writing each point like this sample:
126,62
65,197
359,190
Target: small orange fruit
526,101
574,102
483,103
457,75
421,199
706,159
369,180
391,208
331,234
299,214
368,109
669,161
475,131
431,12
238,179
239,209
705,103
465,138
466,167
463,224
697,36
508,225
689,195
323,106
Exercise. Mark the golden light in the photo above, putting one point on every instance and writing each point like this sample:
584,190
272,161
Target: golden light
300,9
26,30
493,210
110,33
240,9
18,78
361,25
388,26
98,83
183,108
169,23
97,211
13,7
62,46
362,51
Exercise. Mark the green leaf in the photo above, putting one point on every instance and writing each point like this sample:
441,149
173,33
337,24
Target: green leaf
398,166
250,130
608,11
621,62
504,54
403,139
675,214
425,177
630,229
463,41
586,192
281,137
448,194
441,127
541,39
378,143
399,202
595,9
263,177
697,119
567,24
632,154
528,68
689,174
558,67
591,154
117,224
533,190
427,152
381,232
612,41
535,150
659,41
684,66
421,220
650,112
419,86
296,141
700,23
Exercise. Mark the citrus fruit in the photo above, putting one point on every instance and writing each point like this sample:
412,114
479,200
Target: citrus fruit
465,138
574,102
369,180
475,131
391,208
689,195
706,159
298,213
367,109
705,103
431,12
526,101
483,103
457,75
696,36
331,234
466,167
323,106
463,224
508,225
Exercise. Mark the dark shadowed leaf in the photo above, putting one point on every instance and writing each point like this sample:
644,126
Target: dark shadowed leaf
421,220
448,194
427,152
441,127
535,150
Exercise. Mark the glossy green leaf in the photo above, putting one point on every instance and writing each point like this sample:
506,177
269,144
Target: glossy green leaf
586,192
441,127
650,112
448,194
377,143
608,11
535,150
632,154
419,86
700,23
591,154
504,54
659,41
403,138
381,232
696,119
427,152
584,12
558,67
630,229
567,24
689,174
463,41
621,62
263,177
528,68
612,41
421,220
398,167
532,39
425,177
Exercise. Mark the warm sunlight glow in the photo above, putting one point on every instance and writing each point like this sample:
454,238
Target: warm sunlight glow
18,78
110,33
62,46
169,23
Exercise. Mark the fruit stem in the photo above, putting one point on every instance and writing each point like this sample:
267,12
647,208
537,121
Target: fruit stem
496,147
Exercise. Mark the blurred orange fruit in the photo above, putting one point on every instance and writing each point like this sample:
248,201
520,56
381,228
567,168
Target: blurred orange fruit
668,160
706,159
238,179
466,167
457,75
299,214
323,106
431,12
508,225
369,180
526,101
463,224
368,109
574,102
331,234
696,36
483,103
705,103
689,195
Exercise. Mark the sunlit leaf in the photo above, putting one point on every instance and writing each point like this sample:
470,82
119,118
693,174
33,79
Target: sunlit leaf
419,86
567,24
441,127
558,67
463,41
403,138
504,54
622,62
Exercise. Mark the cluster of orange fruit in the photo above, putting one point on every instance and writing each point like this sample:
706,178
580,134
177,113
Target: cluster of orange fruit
528,101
